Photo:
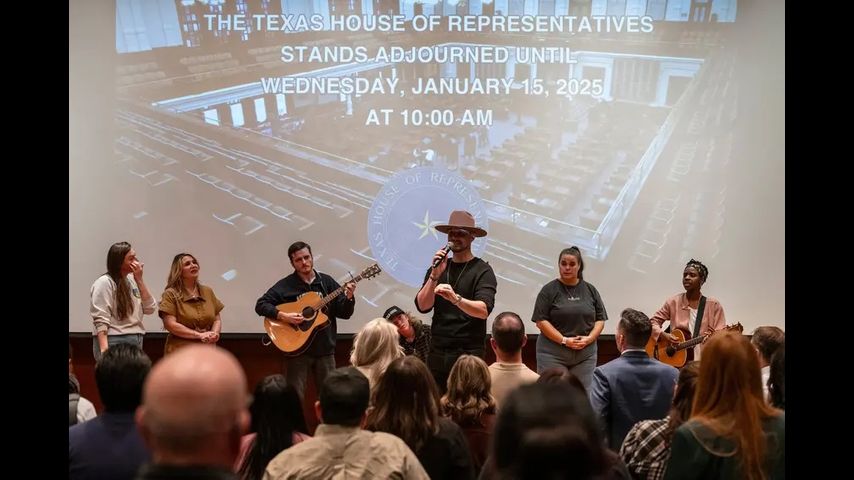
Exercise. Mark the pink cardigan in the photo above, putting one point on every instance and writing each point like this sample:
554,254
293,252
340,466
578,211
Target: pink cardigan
675,310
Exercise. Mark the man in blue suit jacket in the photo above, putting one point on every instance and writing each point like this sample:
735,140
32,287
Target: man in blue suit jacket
633,387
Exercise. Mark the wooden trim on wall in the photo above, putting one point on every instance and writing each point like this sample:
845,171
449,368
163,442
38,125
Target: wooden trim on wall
259,361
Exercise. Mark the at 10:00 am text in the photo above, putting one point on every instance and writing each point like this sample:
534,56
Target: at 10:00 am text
417,117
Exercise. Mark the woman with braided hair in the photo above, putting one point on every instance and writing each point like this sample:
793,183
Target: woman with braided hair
682,310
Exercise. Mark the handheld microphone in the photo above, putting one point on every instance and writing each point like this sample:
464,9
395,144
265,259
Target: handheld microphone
447,248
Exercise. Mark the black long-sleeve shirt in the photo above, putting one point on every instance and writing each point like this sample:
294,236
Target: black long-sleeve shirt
290,288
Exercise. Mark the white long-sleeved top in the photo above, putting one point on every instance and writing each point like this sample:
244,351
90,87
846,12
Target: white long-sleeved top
102,307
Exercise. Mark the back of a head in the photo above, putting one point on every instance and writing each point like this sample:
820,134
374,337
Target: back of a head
276,407
120,375
542,429
767,339
508,332
729,398
193,396
635,326
561,374
683,398
376,345
408,385
777,379
469,390
470,376
406,402
344,397
276,413
729,375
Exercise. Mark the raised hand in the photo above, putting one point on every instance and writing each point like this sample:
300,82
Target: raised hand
136,268
446,291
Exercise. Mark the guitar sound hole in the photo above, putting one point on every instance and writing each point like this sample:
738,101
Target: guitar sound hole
308,313
670,351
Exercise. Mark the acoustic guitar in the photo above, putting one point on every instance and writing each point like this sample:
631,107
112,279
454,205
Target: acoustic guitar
295,339
677,354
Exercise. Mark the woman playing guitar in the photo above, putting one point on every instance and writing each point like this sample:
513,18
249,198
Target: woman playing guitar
682,310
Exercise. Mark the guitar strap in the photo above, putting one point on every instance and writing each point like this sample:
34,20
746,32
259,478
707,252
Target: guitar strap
322,286
700,309
322,290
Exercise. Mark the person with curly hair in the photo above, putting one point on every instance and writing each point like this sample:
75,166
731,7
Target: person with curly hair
690,311
469,403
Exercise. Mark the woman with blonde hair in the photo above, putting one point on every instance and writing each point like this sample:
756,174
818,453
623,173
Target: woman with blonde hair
470,404
374,348
732,432
189,310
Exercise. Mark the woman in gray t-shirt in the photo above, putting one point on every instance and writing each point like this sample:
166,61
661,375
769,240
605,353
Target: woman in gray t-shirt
570,315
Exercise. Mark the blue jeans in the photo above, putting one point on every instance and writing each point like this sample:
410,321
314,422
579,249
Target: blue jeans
296,371
132,338
579,362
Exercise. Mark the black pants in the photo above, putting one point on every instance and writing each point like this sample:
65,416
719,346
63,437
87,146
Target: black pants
441,360
297,370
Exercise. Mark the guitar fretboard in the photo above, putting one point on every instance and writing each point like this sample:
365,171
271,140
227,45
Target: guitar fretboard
338,291
690,343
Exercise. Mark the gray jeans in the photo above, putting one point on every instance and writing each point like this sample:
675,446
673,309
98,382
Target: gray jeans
133,338
579,362
296,371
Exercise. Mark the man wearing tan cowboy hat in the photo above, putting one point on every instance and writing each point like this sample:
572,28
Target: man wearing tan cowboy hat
461,292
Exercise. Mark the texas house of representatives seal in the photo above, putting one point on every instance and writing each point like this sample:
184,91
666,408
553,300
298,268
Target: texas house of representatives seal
404,212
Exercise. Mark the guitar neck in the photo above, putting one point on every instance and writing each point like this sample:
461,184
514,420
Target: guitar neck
338,291
690,343
694,341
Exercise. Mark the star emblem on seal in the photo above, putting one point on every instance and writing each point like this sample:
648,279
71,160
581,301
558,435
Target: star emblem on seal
427,227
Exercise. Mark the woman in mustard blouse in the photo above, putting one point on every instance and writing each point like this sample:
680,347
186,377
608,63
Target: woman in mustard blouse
190,310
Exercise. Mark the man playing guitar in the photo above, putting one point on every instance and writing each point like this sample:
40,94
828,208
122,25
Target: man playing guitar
320,353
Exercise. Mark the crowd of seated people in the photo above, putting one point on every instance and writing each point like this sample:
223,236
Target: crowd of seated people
191,414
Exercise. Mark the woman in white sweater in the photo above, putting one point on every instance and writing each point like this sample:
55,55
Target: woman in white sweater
119,299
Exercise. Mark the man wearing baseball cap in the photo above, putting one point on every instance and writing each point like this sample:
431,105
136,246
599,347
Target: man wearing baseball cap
414,335
461,292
